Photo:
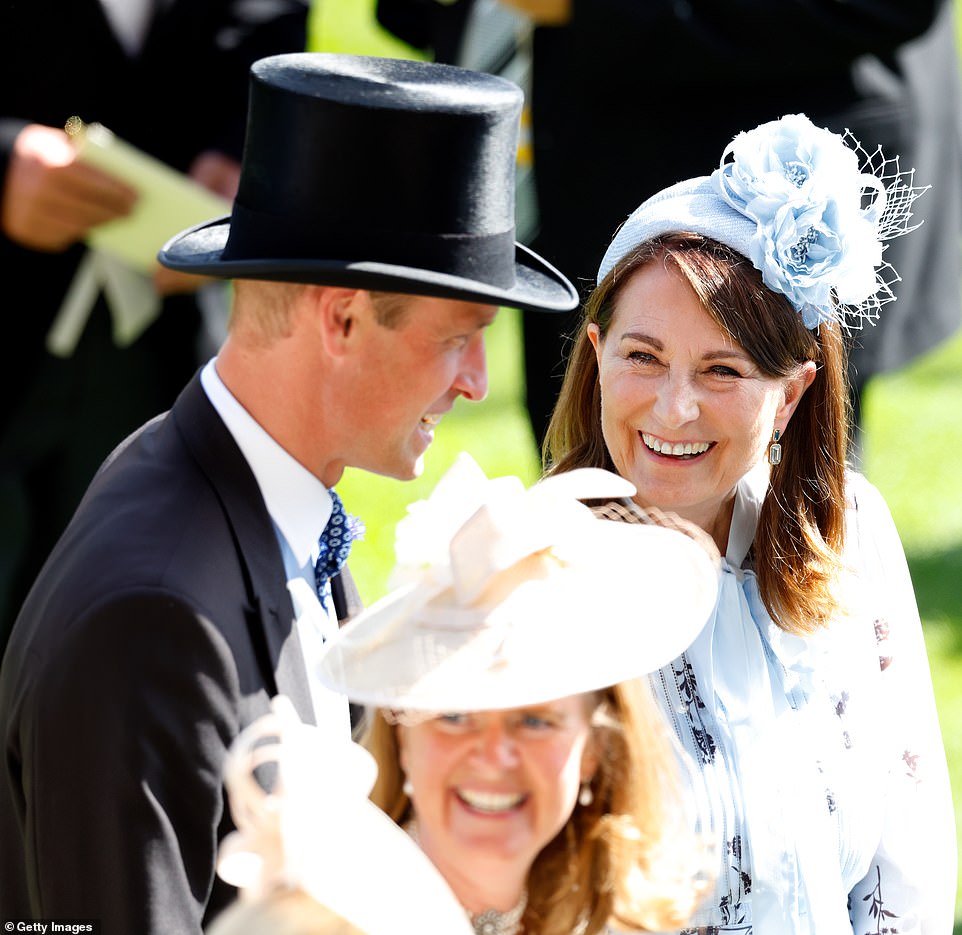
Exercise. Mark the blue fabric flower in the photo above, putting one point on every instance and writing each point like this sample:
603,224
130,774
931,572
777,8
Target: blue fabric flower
814,242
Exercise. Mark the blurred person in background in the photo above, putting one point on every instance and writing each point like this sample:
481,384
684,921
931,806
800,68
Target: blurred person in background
134,66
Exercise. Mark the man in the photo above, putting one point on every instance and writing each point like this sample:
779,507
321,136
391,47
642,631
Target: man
372,240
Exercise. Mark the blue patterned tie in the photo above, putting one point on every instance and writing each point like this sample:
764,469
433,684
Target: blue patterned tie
335,543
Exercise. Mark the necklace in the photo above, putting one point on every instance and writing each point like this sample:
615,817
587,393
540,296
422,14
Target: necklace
489,922
492,922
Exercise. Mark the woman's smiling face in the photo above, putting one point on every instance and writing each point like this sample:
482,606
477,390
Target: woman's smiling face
686,412
490,789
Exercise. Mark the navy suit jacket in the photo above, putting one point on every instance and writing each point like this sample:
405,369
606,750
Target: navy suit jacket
159,628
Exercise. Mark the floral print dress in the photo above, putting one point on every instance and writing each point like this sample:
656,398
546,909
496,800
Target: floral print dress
818,760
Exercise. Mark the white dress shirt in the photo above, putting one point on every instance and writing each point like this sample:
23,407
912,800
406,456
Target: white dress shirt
130,21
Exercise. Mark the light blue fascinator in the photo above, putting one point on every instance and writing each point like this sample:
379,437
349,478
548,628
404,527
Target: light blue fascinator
811,209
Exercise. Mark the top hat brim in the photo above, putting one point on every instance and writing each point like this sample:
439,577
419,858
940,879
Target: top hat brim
538,286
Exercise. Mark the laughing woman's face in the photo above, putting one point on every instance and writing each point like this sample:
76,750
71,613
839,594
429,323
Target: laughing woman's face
685,411
490,789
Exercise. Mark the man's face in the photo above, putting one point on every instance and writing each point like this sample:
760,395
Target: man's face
408,375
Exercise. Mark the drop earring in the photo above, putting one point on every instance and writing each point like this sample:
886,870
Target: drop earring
775,449
585,795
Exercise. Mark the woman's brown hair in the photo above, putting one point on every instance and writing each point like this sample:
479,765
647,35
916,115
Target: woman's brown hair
629,857
802,524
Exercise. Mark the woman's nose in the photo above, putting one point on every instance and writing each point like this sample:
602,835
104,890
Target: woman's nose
496,747
677,401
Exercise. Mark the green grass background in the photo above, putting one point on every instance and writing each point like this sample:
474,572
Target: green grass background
913,440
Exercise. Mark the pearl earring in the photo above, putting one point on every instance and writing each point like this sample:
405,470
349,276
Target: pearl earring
586,796
407,788
775,449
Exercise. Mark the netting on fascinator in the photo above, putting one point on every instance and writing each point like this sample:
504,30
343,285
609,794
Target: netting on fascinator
811,209
626,510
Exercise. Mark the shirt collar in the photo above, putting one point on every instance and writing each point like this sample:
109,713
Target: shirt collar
298,503
749,495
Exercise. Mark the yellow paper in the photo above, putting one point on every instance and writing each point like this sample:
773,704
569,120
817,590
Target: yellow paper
169,200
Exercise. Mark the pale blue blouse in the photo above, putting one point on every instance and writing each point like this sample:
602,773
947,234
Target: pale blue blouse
819,758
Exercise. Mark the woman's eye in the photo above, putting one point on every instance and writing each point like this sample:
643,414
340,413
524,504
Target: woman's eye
641,357
722,371
536,722
453,719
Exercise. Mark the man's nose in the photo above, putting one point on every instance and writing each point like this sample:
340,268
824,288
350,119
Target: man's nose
472,378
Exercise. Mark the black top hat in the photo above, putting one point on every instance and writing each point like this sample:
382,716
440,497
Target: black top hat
382,174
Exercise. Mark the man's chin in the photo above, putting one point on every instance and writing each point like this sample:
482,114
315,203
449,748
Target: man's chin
405,470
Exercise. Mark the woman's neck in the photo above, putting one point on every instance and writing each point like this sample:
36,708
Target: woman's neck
719,527
486,884
480,888
715,518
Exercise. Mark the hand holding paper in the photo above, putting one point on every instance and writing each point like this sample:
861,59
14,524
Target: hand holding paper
53,199
122,262
168,200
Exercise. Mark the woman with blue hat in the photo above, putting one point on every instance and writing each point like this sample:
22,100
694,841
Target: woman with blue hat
710,371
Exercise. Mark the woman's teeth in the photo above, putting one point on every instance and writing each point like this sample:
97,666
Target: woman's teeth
676,449
491,801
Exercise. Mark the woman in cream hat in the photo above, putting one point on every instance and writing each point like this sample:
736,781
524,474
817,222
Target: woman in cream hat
311,852
514,739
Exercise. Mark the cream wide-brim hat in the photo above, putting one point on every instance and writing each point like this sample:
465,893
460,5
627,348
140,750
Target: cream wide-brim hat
534,599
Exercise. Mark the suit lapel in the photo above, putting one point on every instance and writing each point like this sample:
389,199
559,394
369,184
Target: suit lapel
270,611
347,600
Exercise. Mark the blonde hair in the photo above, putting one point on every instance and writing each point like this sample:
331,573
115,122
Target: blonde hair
801,529
263,309
630,857
390,308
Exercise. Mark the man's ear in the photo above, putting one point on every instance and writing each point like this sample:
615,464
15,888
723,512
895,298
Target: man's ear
335,312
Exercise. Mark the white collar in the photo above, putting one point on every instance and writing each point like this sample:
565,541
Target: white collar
750,493
298,503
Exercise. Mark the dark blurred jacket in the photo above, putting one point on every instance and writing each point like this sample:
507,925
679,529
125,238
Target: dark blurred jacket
184,93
